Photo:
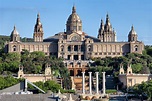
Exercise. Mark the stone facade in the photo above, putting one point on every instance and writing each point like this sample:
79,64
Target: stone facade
36,77
130,79
75,46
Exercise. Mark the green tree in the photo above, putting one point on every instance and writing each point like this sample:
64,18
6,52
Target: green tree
52,85
136,67
149,51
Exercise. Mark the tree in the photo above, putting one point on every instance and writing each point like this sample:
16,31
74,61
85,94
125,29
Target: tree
52,85
145,69
136,67
149,51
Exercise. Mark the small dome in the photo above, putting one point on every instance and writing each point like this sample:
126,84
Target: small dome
132,32
74,16
15,32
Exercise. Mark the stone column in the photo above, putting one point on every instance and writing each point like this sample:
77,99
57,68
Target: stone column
104,87
71,57
74,70
83,82
90,83
97,83
79,57
25,85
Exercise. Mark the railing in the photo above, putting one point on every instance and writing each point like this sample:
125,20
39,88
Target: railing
26,81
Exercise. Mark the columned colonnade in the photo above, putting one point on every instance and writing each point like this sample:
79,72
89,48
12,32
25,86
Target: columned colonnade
90,83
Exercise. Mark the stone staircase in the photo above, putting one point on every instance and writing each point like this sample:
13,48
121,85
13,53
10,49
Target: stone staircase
78,83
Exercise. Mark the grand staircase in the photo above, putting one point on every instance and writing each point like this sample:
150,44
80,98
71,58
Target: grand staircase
78,83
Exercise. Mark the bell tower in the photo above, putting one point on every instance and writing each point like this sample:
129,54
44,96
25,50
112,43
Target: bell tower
101,30
106,33
15,36
132,36
38,30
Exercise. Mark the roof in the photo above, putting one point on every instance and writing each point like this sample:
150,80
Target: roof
54,38
15,31
94,39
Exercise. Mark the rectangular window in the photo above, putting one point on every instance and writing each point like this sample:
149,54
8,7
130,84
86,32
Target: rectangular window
82,57
80,28
69,57
82,48
74,28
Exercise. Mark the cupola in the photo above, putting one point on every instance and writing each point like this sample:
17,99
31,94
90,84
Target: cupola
74,23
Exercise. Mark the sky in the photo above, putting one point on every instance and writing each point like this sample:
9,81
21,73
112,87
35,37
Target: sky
54,14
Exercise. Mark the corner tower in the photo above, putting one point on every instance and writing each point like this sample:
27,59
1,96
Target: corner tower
38,30
15,36
132,36
74,23
106,33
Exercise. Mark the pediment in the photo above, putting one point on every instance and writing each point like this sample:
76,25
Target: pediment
75,37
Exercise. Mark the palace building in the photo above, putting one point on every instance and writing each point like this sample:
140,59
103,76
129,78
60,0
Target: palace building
75,46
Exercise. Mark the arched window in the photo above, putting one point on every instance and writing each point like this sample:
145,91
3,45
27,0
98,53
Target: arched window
69,48
80,28
62,48
89,48
133,38
76,48
15,39
74,28
14,48
136,48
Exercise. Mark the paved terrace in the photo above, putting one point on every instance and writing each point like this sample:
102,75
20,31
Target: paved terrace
34,97
27,97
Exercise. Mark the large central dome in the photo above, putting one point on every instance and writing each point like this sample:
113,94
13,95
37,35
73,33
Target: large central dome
74,23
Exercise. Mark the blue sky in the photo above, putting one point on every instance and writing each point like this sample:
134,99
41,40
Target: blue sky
54,14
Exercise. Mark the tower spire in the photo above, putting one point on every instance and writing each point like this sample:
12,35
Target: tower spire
101,30
38,30
107,19
38,22
132,27
73,9
102,24
14,27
